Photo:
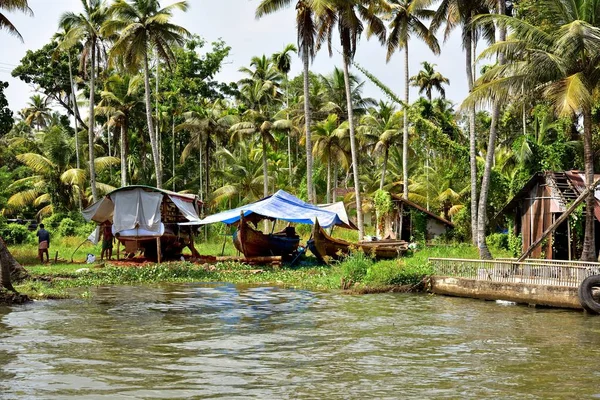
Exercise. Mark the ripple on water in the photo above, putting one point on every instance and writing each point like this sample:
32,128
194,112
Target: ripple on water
199,340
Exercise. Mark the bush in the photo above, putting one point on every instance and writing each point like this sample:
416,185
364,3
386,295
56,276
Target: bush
52,222
498,241
16,234
84,229
67,227
355,266
396,273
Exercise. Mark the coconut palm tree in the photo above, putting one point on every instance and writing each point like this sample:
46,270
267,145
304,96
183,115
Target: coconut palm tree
347,16
85,27
283,63
381,126
452,14
121,98
405,21
334,94
242,175
331,146
11,6
558,64
144,25
37,113
55,185
428,79
306,32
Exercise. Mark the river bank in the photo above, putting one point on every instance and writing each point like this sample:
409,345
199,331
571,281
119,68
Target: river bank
358,274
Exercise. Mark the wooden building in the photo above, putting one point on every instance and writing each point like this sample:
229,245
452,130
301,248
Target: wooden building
404,228
539,203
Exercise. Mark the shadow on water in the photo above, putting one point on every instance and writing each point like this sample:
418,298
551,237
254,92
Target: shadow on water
200,340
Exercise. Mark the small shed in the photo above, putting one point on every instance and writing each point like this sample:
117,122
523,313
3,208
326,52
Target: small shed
146,218
403,223
539,203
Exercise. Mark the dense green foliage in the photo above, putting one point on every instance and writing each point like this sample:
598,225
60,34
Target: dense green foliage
161,114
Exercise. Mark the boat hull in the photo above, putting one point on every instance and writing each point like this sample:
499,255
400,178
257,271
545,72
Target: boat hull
325,247
253,243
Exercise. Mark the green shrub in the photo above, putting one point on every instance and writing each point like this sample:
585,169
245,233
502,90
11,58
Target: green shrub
355,266
16,234
67,227
395,273
84,229
52,222
498,241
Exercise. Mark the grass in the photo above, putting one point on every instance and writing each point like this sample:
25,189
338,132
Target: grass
358,272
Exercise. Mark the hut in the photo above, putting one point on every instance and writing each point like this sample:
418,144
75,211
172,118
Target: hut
156,221
539,203
404,225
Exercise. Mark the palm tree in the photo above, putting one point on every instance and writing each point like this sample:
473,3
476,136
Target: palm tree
55,183
406,20
283,63
242,174
347,15
334,94
306,32
330,146
382,126
86,27
455,13
143,24
37,113
11,6
121,98
558,64
428,79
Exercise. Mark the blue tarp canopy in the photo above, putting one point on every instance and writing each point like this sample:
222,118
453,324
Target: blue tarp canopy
282,206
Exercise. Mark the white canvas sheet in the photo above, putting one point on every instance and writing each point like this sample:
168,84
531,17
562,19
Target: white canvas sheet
136,209
99,212
187,208
140,232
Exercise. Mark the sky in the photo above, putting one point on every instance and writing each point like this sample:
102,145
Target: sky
234,22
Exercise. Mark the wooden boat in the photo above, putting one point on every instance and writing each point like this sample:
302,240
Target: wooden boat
325,247
253,243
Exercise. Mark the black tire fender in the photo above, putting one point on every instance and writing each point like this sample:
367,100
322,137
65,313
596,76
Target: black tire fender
585,293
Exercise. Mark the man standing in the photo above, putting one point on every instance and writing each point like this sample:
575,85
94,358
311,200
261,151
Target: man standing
43,243
107,241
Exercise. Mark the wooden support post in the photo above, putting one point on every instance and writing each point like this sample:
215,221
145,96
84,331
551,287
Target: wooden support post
118,250
589,190
158,252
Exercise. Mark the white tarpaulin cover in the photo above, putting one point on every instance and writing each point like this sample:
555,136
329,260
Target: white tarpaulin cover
136,209
282,206
139,208
187,208
340,209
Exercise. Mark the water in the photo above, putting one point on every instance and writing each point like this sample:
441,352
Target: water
203,341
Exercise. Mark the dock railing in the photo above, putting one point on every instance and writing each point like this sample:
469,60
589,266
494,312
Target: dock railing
531,272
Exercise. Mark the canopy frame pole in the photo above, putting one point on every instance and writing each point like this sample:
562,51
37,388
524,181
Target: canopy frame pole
158,250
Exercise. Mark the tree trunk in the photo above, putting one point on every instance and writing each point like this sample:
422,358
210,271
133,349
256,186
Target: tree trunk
289,144
173,151
328,180
307,120
91,123
472,138
589,240
10,269
484,252
265,167
405,134
354,151
74,100
151,133
123,153
384,169
335,182
207,165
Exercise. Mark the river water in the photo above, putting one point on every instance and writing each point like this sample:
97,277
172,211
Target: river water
223,341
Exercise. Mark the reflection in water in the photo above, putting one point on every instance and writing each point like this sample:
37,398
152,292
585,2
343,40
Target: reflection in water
182,341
